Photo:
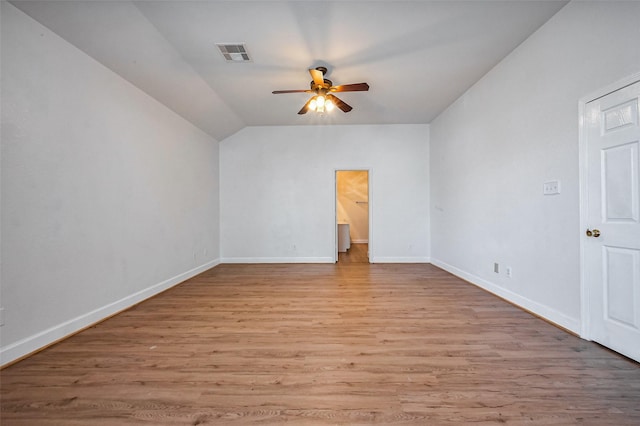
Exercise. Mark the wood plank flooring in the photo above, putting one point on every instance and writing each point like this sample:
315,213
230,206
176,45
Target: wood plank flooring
355,344
358,253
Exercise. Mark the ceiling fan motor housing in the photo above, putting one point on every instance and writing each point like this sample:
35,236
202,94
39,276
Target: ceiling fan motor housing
327,84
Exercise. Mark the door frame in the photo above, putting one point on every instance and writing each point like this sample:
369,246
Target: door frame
369,171
585,323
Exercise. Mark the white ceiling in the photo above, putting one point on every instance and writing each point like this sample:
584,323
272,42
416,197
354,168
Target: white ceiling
417,56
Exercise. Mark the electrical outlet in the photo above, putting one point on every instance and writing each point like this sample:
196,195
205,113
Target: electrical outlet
496,268
508,271
552,187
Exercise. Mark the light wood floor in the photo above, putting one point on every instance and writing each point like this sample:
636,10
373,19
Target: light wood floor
322,344
358,253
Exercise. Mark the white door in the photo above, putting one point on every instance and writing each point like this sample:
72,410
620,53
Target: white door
612,239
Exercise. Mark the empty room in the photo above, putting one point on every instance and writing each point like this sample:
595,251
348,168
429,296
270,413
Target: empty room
319,212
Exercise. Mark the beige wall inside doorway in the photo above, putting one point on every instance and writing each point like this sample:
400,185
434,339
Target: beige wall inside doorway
352,203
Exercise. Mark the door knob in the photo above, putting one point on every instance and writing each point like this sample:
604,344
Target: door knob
595,233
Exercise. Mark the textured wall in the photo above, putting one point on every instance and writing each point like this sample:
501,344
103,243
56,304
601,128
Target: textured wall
107,195
492,150
278,191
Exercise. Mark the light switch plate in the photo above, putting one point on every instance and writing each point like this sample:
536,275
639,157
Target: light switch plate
552,187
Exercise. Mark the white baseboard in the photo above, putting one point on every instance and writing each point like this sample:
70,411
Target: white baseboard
58,332
359,241
277,260
414,259
550,314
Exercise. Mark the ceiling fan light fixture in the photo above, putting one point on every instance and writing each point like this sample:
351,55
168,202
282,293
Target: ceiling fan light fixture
329,105
322,90
321,103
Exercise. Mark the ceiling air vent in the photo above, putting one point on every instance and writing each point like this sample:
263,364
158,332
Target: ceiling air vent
236,52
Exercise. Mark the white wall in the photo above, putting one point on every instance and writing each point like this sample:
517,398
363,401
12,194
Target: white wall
107,196
278,191
516,128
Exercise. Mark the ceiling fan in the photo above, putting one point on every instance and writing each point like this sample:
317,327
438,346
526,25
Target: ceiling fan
323,89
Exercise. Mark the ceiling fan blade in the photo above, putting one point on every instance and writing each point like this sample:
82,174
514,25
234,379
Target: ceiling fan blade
318,77
340,104
357,87
305,108
277,92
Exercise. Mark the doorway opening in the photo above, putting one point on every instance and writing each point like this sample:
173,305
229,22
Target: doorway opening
352,216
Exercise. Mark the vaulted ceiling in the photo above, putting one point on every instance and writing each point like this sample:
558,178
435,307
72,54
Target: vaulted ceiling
417,56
